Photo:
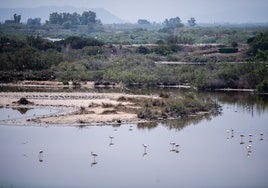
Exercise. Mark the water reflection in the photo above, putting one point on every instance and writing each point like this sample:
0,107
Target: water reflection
111,141
244,102
94,155
204,151
145,150
22,110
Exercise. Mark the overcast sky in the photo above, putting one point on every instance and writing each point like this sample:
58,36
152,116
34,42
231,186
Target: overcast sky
209,11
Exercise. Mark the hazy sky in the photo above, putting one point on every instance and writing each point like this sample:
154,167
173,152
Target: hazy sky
158,10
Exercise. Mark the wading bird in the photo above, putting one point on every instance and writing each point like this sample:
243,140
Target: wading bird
242,139
250,136
94,155
40,156
261,135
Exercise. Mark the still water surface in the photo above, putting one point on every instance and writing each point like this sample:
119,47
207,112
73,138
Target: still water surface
208,155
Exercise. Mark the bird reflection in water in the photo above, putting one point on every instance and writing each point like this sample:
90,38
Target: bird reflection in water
249,150
111,141
94,155
145,150
94,163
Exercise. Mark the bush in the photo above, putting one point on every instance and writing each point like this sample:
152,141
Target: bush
143,50
228,50
262,87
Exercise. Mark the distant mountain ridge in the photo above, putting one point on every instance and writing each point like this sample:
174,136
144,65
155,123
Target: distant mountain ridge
43,12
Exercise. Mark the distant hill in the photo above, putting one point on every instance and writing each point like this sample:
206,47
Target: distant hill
43,12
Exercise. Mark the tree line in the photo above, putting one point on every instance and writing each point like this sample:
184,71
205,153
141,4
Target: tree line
89,59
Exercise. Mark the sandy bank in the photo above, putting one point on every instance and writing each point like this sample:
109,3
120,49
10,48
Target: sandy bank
77,108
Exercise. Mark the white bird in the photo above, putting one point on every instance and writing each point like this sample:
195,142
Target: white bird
111,137
94,154
41,151
144,145
177,145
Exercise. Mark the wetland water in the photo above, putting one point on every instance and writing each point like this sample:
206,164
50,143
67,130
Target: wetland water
208,155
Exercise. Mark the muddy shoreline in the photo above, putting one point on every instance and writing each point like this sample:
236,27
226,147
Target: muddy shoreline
74,108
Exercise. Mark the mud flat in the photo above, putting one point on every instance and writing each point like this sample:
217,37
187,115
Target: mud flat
75,108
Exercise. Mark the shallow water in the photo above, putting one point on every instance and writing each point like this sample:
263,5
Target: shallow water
208,155
15,113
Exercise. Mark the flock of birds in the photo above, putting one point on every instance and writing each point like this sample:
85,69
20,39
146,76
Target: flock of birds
175,148
242,142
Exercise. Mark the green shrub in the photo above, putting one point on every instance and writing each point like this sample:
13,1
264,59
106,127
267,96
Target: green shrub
228,50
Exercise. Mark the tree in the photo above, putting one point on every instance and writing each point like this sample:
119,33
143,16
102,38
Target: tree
143,22
55,18
17,18
88,18
191,22
34,22
173,22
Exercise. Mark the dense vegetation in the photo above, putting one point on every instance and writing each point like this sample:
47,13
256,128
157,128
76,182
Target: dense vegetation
90,51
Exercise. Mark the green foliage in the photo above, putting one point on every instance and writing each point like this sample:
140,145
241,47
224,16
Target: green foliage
173,22
79,42
192,21
228,50
143,50
92,50
34,22
258,43
262,87
87,17
143,22
40,43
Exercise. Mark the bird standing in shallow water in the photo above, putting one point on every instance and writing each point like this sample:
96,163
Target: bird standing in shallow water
40,156
250,136
145,148
261,135
242,139
94,154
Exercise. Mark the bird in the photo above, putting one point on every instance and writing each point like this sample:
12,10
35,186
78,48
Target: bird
242,139
172,143
94,154
145,146
250,136
261,136
232,130
40,156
